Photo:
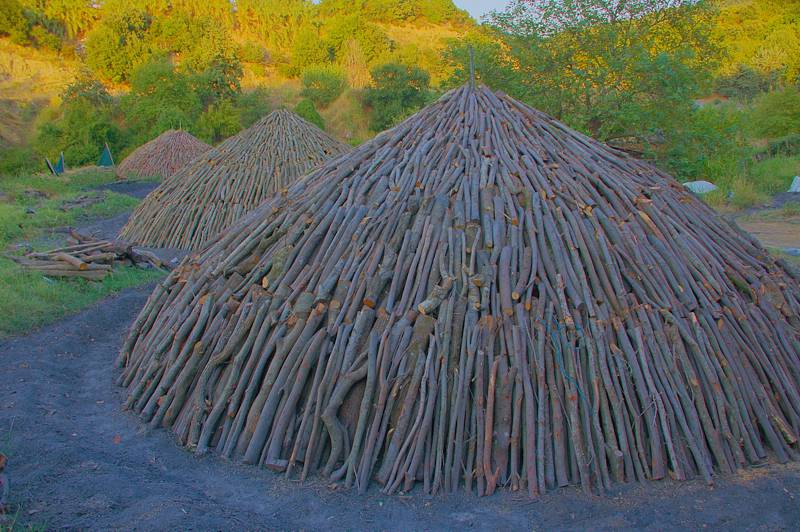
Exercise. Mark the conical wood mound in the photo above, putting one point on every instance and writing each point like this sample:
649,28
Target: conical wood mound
162,156
479,297
225,183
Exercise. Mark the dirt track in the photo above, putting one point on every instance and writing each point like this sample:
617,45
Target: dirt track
78,461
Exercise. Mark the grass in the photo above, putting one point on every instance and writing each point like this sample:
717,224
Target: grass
28,299
45,195
761,181
774,175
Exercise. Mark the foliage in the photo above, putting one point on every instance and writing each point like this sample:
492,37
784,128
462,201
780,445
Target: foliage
493,65
611,69
160,98
15,161
708,144
322,84
85,121
119,43
763,35
12,19
305,109
745,83
398,91
776,114
252,106
218,122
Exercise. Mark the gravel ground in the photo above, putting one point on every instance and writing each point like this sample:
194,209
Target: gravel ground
77,461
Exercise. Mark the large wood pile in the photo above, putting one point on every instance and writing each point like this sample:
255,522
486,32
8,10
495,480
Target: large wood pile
227,182
478,298
86,257
162,156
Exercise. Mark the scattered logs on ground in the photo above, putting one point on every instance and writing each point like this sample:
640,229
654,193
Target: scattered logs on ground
227,182
162,156
477,298
87,257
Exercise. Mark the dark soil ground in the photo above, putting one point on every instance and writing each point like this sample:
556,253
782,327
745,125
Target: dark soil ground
77,461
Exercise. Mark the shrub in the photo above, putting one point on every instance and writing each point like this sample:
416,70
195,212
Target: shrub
776,114
322,84
306,110
398,91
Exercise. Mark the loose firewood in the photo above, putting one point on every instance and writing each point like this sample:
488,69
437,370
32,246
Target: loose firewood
91,259
478,299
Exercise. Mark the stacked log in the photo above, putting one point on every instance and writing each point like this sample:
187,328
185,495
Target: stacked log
228,181
478,298
86,257
162,156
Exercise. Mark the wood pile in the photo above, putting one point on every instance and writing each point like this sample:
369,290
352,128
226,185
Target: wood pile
162,156
86,257
228,181
478,298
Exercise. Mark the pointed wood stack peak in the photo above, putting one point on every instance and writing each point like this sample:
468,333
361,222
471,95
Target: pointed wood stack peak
225,183
479,297
162,156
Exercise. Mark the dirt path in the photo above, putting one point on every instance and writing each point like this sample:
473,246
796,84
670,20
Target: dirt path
78,461
778,234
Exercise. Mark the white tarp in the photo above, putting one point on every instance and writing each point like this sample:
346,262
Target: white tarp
795,184
700,187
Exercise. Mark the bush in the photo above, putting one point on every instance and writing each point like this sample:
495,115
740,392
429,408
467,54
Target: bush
218,122
745,83
305,109
398,91
707,145
777,114
17,161
322,84
253,105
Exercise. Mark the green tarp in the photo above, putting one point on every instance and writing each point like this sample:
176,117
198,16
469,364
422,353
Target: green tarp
105,157
59,167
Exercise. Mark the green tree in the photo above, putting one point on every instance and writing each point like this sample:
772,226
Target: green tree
218,122
119,42
322,84
306,110
397,91
160,98
83,122
776,114
614,69
12,21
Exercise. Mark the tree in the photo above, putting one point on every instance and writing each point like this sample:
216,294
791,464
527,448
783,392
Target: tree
397,91
322,84
119,42
612,68
305,109
160,98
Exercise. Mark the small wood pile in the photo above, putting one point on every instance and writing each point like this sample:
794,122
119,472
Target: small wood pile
478,298
162,156
228,181
87,257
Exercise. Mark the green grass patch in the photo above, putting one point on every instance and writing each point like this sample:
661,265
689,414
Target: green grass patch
32,204
773,176
31,299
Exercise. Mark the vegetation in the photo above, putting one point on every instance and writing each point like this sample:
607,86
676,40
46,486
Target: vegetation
322,84
306,109
31,205
398,91
628,73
